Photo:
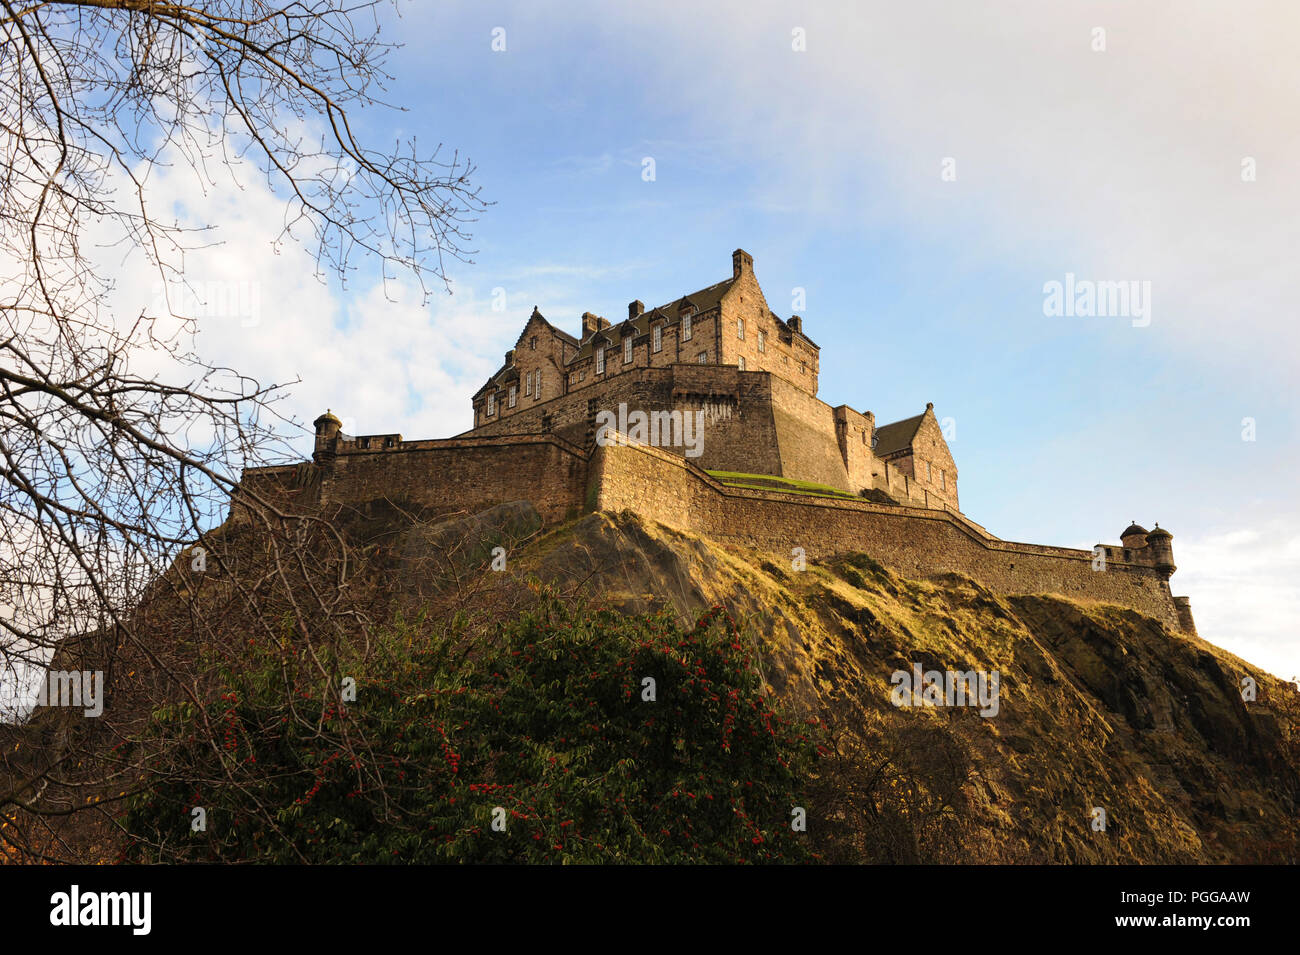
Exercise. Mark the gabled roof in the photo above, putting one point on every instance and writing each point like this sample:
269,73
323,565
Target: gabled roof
897,436
559,333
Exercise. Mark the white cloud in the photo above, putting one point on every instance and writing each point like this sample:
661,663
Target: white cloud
1245,595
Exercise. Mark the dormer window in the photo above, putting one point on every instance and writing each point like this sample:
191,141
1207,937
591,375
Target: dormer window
686,326
491,403
627,349
600,360
657,338
512,395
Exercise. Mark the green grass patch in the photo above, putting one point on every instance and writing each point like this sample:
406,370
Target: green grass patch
770,482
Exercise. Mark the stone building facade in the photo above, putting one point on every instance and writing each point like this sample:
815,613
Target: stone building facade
723,353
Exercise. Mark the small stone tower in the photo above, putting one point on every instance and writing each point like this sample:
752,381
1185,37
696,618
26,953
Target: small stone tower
328,428
1161,550
1134,536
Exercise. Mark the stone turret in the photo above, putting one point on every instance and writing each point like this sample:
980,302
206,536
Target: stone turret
328,428
1134,536
1161,550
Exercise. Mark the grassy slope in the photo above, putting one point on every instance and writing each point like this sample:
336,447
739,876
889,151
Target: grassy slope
1100,707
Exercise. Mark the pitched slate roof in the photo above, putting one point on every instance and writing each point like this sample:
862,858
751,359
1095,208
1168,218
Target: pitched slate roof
896,436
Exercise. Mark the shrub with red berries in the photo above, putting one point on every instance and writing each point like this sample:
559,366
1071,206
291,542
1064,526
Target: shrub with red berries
537,744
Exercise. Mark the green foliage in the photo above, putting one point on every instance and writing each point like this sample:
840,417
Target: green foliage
546,721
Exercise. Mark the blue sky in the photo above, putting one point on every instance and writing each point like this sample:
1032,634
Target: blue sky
1122,163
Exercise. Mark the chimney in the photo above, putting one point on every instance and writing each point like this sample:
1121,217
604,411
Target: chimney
796,324
591,324
741,261
510,358
635,309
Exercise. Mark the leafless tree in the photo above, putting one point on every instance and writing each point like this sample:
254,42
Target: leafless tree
119,444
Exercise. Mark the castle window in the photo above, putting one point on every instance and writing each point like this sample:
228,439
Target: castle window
803,368
928,476
532,343
686,326
627,349
658,336
762,341
600,360
742,362
512,395
702,358
491,403
582,375
943,479
528,383
537,385
740,329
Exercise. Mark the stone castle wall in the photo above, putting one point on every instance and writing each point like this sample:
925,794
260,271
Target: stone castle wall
916,542
431,478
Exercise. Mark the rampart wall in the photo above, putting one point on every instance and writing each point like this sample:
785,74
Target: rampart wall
428,478
916,542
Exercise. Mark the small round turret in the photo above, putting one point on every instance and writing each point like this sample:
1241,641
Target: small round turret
1161,549
1134,536
327,429
327,426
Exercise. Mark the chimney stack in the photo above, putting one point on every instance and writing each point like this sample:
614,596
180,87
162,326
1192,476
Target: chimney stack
741,261
510,358
796,324
635,309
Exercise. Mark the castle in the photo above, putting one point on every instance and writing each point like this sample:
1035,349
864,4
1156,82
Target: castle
703,415
721,352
